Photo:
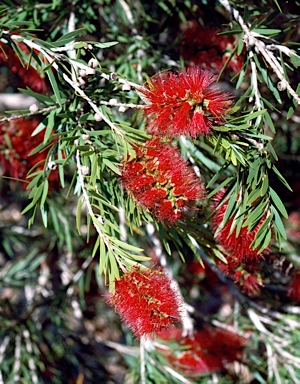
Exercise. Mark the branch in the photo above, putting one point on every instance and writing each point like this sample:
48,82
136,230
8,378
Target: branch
51,57
254,39
15,117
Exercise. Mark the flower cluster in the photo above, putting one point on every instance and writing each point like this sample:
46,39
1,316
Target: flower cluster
184,103
27,75
239,247
146,301
208,350
201,45
16,143
160,180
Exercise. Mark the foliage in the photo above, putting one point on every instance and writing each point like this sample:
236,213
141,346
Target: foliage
82,169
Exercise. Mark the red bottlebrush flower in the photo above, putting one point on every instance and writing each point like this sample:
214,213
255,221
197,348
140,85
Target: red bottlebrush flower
184,103
146,301
201,45
27,75
238,247
294,291
160,180
245,274
16,143
207,351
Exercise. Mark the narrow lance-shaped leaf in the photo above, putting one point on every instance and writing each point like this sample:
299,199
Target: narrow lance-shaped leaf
278,203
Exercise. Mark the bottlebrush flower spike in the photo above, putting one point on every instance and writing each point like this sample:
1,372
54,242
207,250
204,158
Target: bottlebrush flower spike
208,350
238,247
27,76
202,45
184,103
16,143
160,180
146,301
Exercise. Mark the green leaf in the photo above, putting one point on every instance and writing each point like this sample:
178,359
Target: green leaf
114,270
279,224
265,185
68,37
54,86
61,168
278,6
254,115
44,214
290,112
50,125
219,255
106,45
270,122
254,195
230,127
45,192
270,148
39,129
241,77
127,246
261,233
295,59
293,108
112,166
240,46
78,214
80,44
267,31
103,257
34,181
255,215
220,186
229,211
281,178
26,209
162,236
233,158
96,246
266,241
231,32
278,203
46,100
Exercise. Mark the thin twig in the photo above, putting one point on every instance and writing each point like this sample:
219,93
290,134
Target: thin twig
86,196
254,82
73,84
117,104
16,117
253,39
